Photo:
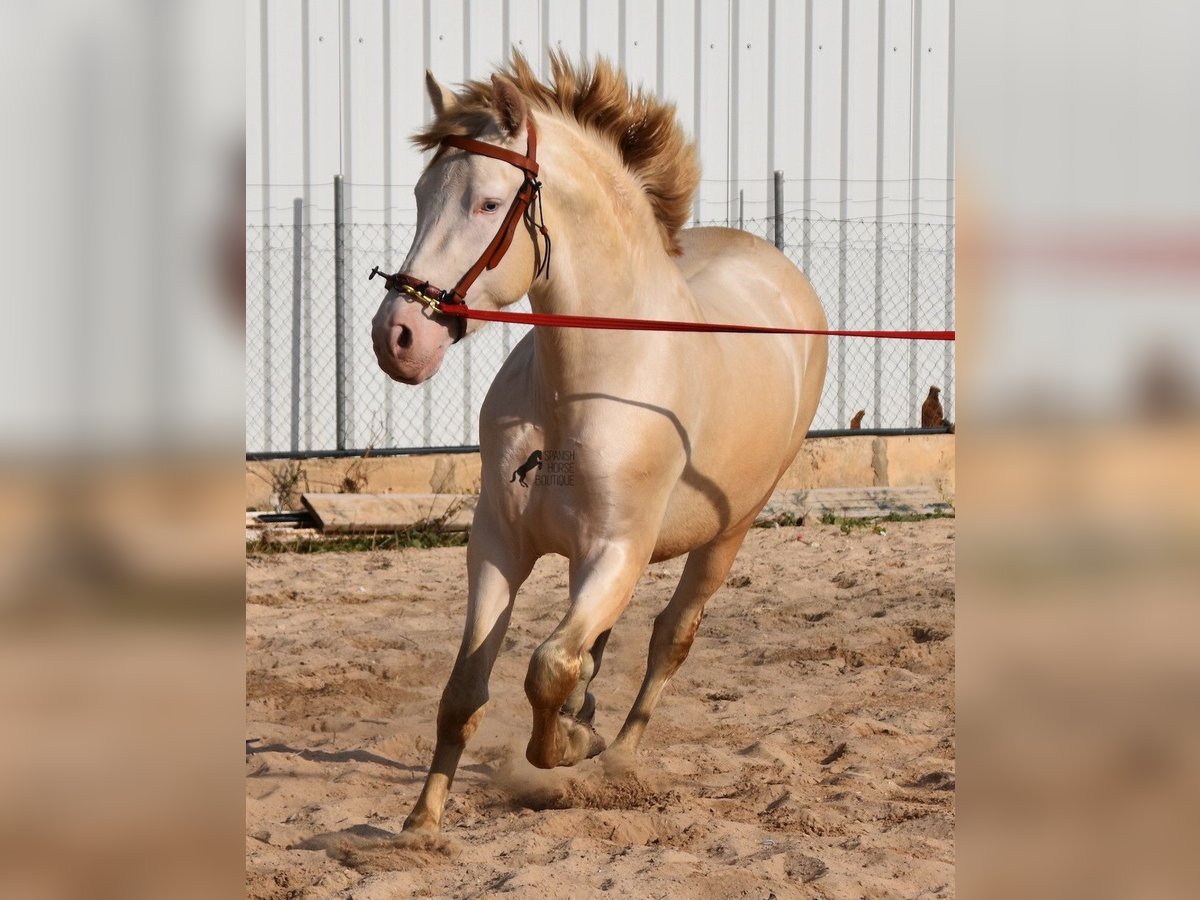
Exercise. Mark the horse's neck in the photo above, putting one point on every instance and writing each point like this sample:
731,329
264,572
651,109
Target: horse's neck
571,360
609,264
616,282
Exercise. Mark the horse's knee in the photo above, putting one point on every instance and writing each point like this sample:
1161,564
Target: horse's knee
552,676
460,712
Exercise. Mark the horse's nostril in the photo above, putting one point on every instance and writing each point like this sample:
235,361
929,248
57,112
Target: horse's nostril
405,338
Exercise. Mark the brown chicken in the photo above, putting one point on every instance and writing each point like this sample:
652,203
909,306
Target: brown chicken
932,414
856,422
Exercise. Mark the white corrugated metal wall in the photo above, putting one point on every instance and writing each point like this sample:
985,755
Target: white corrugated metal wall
851,100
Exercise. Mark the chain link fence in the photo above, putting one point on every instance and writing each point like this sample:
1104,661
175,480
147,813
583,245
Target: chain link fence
868,274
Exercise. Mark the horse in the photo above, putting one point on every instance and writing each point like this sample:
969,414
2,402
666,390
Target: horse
675,440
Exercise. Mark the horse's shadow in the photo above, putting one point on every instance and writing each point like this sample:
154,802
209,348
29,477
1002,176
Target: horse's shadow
691,475
371,849
338,756
334,840
362,838
332,756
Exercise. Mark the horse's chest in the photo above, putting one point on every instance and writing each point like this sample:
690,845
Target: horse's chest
568,495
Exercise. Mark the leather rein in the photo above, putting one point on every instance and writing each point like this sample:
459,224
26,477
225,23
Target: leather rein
527,205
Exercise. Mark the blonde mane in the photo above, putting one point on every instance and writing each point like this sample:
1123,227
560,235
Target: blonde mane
599,97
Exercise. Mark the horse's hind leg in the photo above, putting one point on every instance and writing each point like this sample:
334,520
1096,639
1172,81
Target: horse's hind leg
493,578
675,629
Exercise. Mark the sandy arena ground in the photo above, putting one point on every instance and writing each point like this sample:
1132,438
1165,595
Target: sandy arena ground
805,749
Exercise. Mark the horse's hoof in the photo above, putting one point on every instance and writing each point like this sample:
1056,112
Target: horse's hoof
582,742
419,826
573,742
617,761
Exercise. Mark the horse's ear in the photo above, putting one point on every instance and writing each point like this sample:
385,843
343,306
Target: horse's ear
440,96
510,106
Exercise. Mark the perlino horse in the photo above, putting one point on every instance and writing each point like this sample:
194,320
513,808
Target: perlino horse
676,441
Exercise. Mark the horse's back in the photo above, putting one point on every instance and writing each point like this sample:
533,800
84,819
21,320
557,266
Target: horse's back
736,274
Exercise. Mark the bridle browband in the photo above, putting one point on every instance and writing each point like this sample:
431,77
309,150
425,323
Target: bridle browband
525,203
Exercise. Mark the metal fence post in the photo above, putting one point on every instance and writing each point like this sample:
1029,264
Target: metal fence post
914,317
389,399
297,313
841,324
339,310
778,209
948,319
268,361
877,350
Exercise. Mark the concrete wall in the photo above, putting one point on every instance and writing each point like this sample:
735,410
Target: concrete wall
866,461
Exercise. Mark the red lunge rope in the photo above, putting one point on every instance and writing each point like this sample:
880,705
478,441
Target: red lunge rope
617,324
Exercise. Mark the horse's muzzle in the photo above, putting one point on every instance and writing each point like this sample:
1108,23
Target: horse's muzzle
409,346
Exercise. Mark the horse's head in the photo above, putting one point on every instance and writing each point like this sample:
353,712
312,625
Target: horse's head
462,199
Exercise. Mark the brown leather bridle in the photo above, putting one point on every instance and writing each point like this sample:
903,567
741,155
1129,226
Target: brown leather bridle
526,201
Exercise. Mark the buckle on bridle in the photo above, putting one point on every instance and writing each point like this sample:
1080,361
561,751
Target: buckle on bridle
422,297
417,293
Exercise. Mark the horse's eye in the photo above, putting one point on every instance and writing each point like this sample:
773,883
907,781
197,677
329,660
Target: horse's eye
490,205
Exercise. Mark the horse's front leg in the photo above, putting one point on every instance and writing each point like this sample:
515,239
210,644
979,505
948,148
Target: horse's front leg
494,573
582,703
601,586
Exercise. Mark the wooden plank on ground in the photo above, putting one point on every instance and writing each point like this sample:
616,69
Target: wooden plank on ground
387,513
853,503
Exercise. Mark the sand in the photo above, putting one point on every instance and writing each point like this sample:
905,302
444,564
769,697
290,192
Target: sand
805,749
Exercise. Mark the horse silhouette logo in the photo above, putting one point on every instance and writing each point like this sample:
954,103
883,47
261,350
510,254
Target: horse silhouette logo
534,462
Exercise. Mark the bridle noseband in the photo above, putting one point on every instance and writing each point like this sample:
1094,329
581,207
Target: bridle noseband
527,200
